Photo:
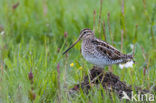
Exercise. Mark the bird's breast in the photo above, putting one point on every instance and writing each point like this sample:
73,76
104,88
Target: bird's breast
90,54
87,49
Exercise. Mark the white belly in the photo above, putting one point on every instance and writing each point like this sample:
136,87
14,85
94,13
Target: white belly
97,61
100,61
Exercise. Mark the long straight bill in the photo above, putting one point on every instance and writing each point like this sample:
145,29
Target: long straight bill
71,47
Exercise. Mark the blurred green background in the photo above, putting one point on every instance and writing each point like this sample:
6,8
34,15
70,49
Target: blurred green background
34,33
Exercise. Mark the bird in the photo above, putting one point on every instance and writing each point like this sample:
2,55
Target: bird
99,52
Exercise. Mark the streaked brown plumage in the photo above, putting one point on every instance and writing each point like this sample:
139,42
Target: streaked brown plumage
99,52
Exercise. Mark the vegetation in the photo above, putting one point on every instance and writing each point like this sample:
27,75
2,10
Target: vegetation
34,34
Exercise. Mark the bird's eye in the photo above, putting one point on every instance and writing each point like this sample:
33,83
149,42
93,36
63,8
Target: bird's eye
85,32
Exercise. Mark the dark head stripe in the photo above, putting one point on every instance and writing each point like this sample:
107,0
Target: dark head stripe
86,30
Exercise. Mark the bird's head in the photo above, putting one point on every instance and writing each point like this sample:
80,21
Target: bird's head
84,34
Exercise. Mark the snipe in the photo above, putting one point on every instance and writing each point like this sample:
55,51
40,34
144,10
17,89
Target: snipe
99,52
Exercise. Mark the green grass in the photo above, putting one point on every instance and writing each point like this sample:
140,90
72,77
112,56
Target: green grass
34,31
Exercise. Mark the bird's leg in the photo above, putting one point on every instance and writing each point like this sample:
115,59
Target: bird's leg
110,69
